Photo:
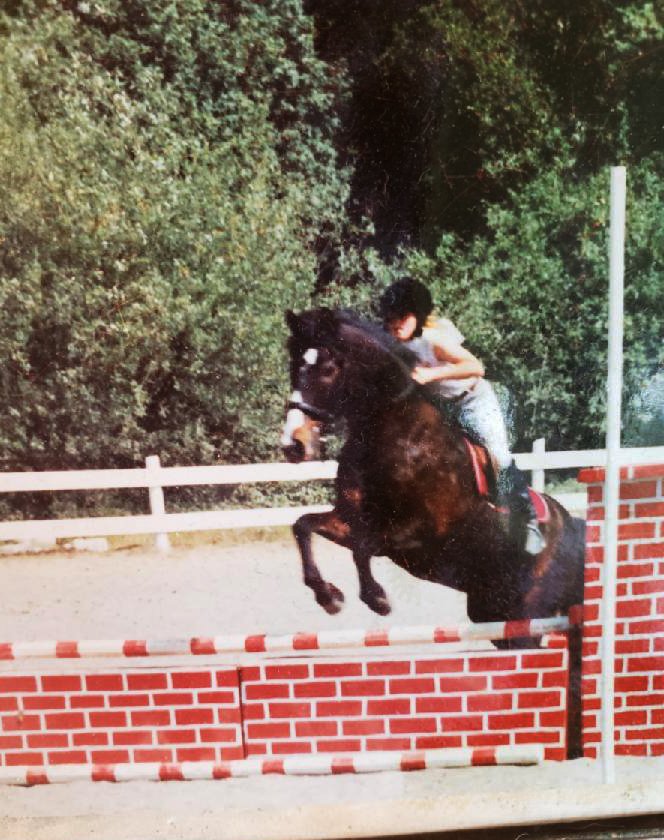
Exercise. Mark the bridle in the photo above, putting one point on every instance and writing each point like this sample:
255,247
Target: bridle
321,415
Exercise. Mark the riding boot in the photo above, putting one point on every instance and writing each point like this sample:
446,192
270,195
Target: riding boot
513,492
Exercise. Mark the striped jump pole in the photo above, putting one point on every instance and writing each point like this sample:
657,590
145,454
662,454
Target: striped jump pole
293,642
307,765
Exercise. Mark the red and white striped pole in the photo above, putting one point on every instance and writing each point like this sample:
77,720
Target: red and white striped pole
309,765
262,643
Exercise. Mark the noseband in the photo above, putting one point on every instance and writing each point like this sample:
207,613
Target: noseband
319,414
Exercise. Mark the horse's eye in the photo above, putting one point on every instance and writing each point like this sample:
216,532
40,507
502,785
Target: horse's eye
328,369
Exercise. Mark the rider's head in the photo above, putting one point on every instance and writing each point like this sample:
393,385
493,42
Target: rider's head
405,307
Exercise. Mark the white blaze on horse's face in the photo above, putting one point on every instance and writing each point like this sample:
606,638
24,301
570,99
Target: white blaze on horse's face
294,421
300,440
310,356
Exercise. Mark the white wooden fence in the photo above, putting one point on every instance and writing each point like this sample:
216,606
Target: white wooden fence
154,478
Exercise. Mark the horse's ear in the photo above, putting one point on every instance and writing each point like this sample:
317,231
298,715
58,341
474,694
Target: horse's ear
292,320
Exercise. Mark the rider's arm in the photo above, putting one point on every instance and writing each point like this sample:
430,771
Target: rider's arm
457,363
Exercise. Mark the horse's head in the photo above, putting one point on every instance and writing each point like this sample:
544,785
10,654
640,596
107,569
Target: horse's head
340,365
316,371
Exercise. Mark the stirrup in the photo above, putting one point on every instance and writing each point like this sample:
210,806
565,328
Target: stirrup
535,542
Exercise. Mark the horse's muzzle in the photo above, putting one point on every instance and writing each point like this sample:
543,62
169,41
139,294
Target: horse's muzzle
295,452
300,439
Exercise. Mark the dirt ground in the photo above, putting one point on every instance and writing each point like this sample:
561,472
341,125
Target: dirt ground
202,589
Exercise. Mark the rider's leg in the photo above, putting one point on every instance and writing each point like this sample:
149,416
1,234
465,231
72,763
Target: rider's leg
480,414
513,489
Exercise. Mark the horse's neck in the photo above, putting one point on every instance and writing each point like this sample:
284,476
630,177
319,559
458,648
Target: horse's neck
379,423
370,407
378,390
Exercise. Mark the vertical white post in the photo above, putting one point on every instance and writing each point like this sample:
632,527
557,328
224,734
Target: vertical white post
537,475
612,478
153,465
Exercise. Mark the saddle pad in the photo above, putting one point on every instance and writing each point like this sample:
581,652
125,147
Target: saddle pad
539,502
541,506
480,476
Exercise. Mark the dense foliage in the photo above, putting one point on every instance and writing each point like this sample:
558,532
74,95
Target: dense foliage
176,174
454,104
161,199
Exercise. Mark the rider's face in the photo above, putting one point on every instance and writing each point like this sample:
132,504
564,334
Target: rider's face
402,328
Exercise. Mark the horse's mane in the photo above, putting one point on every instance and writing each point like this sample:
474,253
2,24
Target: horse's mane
377,334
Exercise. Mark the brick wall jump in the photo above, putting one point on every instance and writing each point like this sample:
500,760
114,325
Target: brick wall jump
479,699
312,704
639,662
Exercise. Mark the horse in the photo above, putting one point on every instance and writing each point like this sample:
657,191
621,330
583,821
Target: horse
406,488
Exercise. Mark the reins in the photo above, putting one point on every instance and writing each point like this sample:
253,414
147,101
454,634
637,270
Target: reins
406,392
320,414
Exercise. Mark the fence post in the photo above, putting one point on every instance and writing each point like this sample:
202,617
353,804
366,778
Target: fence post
537,475
153,466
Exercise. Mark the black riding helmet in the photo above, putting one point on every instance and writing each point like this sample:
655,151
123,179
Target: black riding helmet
406,296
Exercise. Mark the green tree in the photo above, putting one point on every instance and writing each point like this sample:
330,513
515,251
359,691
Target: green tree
176,174
453,106
166,169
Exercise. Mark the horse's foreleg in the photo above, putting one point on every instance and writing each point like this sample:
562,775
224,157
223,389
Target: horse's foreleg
333,527
371,592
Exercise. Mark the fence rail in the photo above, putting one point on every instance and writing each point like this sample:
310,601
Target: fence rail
150,476
154,478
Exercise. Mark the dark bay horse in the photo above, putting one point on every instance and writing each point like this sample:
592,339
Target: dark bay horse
405,486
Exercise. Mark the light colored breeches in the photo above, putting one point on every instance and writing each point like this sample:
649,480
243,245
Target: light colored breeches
479,413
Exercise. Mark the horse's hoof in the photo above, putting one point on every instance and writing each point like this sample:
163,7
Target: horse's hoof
379,604
331,607
382,606
336,593
331,599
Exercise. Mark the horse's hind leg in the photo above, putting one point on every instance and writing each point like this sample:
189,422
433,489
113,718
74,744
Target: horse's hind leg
333,527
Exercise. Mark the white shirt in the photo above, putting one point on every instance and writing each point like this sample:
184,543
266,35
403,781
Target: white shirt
436,332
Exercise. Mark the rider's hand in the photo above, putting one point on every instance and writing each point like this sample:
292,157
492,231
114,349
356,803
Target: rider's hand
423,375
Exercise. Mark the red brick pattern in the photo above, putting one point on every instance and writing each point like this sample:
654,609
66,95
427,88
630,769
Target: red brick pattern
639,663
470,699
119,717
478,699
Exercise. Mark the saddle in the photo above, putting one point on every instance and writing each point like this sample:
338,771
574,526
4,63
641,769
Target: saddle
485,479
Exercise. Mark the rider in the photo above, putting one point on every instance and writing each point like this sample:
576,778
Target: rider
456,377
